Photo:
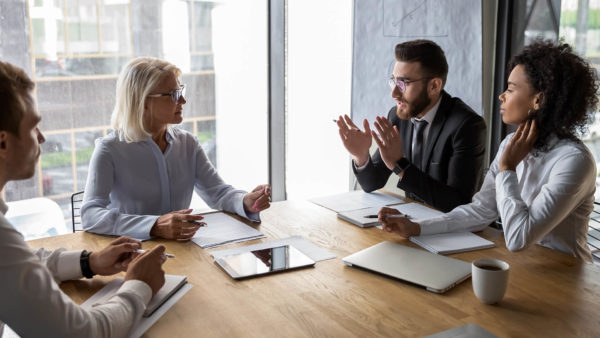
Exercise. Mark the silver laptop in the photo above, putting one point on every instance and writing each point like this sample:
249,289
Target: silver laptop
434,272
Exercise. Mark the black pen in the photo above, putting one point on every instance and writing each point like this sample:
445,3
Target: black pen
202,224
388,216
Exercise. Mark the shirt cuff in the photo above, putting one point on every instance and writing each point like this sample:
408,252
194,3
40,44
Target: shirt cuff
362,167
137,287
68,265
434,226
144,236
239,209
507,185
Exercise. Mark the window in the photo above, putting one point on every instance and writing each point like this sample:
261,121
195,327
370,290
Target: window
580,27
319,77
76,48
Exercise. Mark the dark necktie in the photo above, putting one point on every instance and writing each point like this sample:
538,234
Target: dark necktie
417,157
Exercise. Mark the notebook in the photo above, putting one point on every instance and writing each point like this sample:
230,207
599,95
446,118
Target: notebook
172,284
366,217
452,242
433,272
466,331
361,217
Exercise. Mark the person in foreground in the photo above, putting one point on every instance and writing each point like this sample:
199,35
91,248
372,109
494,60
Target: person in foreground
142,175
32,303
542,181
433,142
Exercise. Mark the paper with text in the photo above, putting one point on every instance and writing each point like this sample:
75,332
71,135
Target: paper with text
355,200
223,229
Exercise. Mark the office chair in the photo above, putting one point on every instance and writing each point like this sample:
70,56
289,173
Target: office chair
593,236
76,202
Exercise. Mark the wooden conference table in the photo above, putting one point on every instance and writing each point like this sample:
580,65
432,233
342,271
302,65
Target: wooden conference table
549,293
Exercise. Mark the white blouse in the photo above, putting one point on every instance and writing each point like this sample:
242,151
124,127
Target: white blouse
547,200
130,185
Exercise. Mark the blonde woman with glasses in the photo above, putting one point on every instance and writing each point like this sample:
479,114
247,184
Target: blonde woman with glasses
142,175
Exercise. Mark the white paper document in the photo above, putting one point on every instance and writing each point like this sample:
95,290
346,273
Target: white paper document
364,218
355,200
145,323
311,250
416,212
452,242
223,229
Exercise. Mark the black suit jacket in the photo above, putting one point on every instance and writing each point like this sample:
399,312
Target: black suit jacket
452,158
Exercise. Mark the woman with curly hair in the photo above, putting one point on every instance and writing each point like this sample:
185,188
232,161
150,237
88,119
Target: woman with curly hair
542,181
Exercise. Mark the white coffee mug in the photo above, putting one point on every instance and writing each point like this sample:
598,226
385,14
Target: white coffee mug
490,278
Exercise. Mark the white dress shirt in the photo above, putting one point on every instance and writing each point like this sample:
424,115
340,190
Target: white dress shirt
130,185
429,116
547,200
33,305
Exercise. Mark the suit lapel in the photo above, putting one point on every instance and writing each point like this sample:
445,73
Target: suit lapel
435,129
406,130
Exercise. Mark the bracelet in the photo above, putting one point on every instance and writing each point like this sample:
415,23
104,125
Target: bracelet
84,262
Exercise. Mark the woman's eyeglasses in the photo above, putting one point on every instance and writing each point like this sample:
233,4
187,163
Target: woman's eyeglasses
175,95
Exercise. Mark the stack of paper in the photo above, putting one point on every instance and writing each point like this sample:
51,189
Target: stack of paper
364,218
452,242
367,217
417,212
223,229
355,200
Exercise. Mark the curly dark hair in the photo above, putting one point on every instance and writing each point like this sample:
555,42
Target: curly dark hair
568,84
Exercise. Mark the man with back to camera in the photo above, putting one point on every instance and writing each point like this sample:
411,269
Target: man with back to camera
32,302
433,142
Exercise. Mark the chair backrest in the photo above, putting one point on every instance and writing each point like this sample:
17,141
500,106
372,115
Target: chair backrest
76,202
593,237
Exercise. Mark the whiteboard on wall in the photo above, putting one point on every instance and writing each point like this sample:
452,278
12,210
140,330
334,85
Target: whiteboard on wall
455,25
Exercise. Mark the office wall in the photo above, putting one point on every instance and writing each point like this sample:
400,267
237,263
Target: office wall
381,24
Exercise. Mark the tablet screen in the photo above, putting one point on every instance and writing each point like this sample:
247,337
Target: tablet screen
265,261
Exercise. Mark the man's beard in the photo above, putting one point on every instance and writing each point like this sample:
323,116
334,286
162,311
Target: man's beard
416,107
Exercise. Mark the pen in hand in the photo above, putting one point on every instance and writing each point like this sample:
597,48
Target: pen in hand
202,224
389,216
168,255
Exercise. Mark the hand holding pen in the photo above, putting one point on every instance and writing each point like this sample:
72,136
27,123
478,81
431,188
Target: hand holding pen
393,220
166,255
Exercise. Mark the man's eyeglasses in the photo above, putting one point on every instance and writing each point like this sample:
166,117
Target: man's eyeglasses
175,95
402,83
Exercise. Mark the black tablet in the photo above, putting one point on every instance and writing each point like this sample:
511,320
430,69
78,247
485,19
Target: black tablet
263,262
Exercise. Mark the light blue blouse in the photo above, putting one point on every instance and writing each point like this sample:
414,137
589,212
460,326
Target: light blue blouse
130,185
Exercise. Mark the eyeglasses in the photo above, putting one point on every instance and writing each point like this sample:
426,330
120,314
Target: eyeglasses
402,83
175,95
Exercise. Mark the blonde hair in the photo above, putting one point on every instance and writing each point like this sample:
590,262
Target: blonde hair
136,81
